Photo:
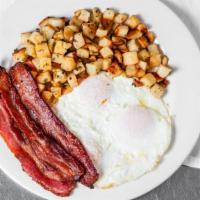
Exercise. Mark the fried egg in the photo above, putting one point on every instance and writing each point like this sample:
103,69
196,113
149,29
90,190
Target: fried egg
125,130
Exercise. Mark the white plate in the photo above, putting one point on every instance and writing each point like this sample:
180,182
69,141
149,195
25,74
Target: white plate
183,96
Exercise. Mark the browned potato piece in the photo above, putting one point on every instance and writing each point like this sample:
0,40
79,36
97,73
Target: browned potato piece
66,90
101,32
143,65
142,41
51,44
118,56
36,37
155,60
106,62
132,21
157,90
30,49
57,58
68,64
134,34
131,70
83,15
56,91
163,71
154,49
151,36
96,15
41,87
82,53
59,76
47,31
143,54
68,34
93,49
42,50
109,14
142,27
59,35
118,40
44,77
34,74
120,18
89,30
25,37
75,21
43,63
93,68
121,30
165,60
47,96
130,58
106,52
19,55
55,22
148,80
115,69
72,80
61,47
105,42
140,73
79,68
123,48
132,45
78,40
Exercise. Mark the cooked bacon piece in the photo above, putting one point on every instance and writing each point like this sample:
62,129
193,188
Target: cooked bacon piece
45,149
41,112
19,147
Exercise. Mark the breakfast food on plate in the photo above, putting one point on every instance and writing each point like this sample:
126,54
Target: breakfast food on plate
105,76
41,112
62,53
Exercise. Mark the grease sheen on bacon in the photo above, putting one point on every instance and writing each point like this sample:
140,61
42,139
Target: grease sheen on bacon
42,113
21,148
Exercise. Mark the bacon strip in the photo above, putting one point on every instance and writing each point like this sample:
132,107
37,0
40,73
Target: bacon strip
42,114
16,143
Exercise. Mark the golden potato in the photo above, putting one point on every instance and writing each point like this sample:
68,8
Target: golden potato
42,50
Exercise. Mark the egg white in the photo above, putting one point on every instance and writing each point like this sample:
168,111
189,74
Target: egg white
103,113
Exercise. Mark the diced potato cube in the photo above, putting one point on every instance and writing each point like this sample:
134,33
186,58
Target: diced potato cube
151,36
93,49
75,21
101,32
59,35
78,40
131,70
68,34
106,62
134,34
157,90
47,31
105,42
163,71
25,37
155,60
109,14
121,30
148,80
47,96
57,58
118,56
54,83
93,68
72,80
130,58
96,15
41,87
118,40
106,52
34,74
79,68
120,18
30,49
82,53
142,27
36,37
43,63
142,41
42,50
123,48
153,49
66,90
140,73
89,30
59,76
74,28
84,15
115,69
143,54
53,21
132,21
51,44
68,64
165,60
44,77
132,46
143,65
19,55
61,47
56,91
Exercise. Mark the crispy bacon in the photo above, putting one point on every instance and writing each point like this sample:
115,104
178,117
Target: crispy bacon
42,114
19,145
